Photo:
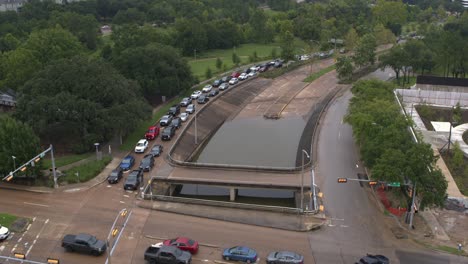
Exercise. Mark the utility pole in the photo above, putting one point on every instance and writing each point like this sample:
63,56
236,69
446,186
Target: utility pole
313,188
412,206
196,136
54,173
302,178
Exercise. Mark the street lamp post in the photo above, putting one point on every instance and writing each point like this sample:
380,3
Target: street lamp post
302,179
196,136
97,150
313,189
14,162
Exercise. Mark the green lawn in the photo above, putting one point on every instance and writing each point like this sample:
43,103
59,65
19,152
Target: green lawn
7,219
85,171
318,74
208,58
65,160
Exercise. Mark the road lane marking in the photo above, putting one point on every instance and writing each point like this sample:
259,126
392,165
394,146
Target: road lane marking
339,135
73,190
122,202
126,195
43,205
344,226
37,237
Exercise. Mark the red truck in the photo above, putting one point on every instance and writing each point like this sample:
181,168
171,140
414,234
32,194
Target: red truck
152,133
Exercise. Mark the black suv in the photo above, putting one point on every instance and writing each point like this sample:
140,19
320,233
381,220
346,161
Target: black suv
174,110
168,133
147,162
133,180
115,176
176,122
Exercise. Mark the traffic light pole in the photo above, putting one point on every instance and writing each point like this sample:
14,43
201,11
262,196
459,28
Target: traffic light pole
412,206
54,173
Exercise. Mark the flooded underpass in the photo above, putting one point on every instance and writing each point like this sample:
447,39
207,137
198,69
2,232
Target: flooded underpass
255,141
258,196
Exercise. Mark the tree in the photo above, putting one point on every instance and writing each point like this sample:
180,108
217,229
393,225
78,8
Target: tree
365,51
76,102
457,113
191,35
344,67
82,26
18,140
128,16
351,39
457,158
235,59
396,59
159,69
392,14
219,63
208,73
8,43
287,45
383,35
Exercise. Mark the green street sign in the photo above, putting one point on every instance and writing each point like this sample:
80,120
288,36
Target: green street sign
393,184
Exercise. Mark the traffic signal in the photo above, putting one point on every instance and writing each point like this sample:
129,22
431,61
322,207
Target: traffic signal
52,261
373,183
342,180
23,169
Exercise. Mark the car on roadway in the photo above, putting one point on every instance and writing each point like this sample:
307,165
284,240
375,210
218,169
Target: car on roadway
203,99
141,146
165,120
264,67
235,75
207,88
133,180
195,94
278,64
224,86
252,73
183,243
127,163
174,110
233,81
176,122
190,109
115,176
284,257
185,101
184,116
4,233
243,76
84,243
217,83
213,93
168,133
152,133
156,150
147,162
226,79
240,253
373,259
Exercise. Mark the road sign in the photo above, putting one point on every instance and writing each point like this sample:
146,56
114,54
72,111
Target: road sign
393,184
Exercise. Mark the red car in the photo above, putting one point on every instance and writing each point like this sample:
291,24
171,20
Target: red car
152,133
235,74
183,243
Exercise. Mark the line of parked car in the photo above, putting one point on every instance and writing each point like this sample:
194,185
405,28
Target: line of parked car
180,250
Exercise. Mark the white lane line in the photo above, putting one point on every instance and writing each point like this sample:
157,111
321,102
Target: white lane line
344,226
339,135
357,166
122,202
37,237
73,190
42,205
21,238
125,195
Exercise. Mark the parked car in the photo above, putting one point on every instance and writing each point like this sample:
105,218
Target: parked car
207,88
84,243
147,162
233,81
168,133
243,76
176,122
133,180
165,120
240,253
127,163
343,50
184,116
4,233
373,259
213,93
174,110
278,64
226,79
141,146
224,86
190,109
252,73
156,150
235,75
284,257
115,176
196,94
161,254
203,99
217,83
152,133
185,101
183,243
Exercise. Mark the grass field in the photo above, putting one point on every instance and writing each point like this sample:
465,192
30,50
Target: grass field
318,74
85,171
65,160
208,59
7,219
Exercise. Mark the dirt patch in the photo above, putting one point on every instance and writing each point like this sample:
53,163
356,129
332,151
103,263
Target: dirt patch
454,223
